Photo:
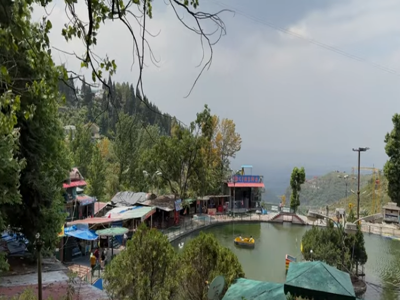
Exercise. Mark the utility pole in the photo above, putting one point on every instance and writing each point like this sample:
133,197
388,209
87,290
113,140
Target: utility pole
39,245
359,150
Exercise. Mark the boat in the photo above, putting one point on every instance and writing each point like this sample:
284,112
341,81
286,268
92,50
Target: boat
289,259
245,242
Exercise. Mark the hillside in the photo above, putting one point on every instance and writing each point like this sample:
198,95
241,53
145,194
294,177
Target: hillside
91,104
328,189
372,197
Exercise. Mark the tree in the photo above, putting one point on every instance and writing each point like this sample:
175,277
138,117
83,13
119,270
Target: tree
202,259
97,175
297,178
392,166
82,149
335,247
359,254
351,217
228,142
28,71
181,157
126,148
145,270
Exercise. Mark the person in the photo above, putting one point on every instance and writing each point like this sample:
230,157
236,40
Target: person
92,262
251,239
125,239
240,237
103,259
96,254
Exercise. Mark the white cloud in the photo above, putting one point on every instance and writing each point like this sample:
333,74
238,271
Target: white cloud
284,93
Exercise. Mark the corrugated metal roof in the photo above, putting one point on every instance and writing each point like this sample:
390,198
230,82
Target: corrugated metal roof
255,290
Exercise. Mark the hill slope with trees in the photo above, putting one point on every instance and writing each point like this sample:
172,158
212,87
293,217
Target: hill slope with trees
327,189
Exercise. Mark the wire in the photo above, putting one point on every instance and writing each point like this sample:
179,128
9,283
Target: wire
307,39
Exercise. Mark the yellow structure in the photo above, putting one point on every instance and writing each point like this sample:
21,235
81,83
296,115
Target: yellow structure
376,193
283,198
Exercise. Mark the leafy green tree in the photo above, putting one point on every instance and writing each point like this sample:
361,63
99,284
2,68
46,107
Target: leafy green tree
126,148
335,247
28,71
202,259
392,166
359,253
97,175
297,178
82,149
182,157
146,269
10,166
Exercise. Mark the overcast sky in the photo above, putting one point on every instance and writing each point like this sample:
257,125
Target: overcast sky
294,102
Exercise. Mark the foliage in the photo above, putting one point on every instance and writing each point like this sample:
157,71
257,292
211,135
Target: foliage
351,217
392,166
29,73
202,260
145,270
227,141
97,175
82,149
371,196
297,178
328,189
334,247
183,157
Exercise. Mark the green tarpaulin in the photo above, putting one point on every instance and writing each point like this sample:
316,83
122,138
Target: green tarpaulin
254,290
113,231
319,281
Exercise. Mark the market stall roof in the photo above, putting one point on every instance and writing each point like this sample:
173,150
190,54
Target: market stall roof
208,197
128,198
95,220
113,231
140,212
87,235
98,206
256,290
315,279
85,200
165,203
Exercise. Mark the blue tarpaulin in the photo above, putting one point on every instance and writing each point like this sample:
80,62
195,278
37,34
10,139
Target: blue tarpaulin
81,233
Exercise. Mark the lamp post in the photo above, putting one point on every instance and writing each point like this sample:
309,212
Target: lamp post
39,244
345,177
359,150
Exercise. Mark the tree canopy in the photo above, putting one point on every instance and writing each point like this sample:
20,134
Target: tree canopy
297,178
392,166
150,268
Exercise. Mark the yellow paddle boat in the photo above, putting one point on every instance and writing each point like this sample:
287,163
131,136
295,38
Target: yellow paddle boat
245,242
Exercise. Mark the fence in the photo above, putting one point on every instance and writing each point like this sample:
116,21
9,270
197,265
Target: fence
188,225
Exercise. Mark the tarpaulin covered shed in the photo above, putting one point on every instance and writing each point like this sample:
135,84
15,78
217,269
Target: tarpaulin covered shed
81,231
317,280
254,290
129,198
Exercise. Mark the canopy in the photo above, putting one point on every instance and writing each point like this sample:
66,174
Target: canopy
319,281
87,235
113,231
255,290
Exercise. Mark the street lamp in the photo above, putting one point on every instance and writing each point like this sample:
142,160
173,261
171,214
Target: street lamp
39,244
359,150
345,177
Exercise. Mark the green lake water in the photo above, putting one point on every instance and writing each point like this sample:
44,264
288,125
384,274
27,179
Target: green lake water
273,241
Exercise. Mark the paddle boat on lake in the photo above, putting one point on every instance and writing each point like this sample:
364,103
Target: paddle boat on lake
245,242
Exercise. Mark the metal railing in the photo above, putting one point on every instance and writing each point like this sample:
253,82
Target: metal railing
188,225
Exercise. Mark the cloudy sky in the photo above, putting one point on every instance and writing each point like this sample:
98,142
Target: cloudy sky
295,101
